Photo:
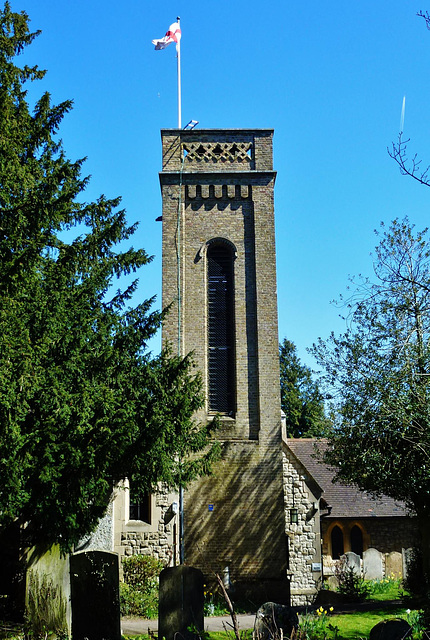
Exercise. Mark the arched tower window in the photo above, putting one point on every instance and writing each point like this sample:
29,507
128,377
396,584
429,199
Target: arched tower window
221,352
336,543
357,540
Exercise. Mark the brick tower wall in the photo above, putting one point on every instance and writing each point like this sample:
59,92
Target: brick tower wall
219,184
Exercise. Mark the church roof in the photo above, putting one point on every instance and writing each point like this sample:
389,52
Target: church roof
346,501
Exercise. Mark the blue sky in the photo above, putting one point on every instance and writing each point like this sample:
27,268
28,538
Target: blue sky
328,77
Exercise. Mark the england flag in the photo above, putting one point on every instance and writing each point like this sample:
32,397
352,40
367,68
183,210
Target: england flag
172,35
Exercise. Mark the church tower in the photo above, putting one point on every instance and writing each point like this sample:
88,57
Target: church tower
219,279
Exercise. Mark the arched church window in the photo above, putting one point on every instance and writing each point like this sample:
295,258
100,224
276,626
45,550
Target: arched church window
336,543
357,540
221,352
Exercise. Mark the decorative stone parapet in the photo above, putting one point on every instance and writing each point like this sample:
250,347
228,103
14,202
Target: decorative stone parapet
217,150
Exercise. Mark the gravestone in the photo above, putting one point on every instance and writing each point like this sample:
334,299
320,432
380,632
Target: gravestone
332,583
94,581
181,603
271,618
394,565
353,561
372,564
47,599
395,629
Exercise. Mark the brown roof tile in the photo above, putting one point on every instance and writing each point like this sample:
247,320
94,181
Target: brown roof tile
347,501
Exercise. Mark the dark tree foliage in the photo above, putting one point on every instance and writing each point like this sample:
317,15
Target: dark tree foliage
82,403
380,369
301,400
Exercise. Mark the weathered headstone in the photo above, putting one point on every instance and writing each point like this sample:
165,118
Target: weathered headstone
353,561
271,618
332,583
394,565
181,603
94,577
372,564
395,629
47,597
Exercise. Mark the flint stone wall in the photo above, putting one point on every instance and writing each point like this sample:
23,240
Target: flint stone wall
102,537
303,540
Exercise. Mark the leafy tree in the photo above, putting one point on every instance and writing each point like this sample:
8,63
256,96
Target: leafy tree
301,400
82,403
380,370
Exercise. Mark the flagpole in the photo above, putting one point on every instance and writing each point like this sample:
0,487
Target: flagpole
178,56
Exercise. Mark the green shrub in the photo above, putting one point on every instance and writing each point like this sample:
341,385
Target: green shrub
350,583
141,572
139,591
135,603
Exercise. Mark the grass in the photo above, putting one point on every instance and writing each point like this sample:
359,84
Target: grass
352,626
346,626
212,635
386,589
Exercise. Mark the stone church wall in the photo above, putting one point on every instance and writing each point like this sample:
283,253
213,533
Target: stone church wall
157,538
303,538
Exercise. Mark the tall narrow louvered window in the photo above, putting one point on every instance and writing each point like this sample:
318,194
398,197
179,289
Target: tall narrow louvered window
221,369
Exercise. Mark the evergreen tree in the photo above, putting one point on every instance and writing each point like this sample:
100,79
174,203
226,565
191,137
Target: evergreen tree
301,400
82,404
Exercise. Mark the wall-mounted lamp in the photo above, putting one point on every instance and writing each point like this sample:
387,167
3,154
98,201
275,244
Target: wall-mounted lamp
294,512
171,512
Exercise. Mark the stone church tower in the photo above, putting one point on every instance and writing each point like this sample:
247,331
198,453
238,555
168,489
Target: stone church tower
219,277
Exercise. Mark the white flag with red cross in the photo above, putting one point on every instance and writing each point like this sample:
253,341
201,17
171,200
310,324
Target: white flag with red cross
172,35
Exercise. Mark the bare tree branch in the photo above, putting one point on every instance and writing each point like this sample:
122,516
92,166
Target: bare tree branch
408,167
426,16
229,607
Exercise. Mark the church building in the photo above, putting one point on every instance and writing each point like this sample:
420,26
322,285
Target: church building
270,520
219,281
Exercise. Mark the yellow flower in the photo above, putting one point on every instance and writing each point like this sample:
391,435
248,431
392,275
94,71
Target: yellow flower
331,609
319,612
